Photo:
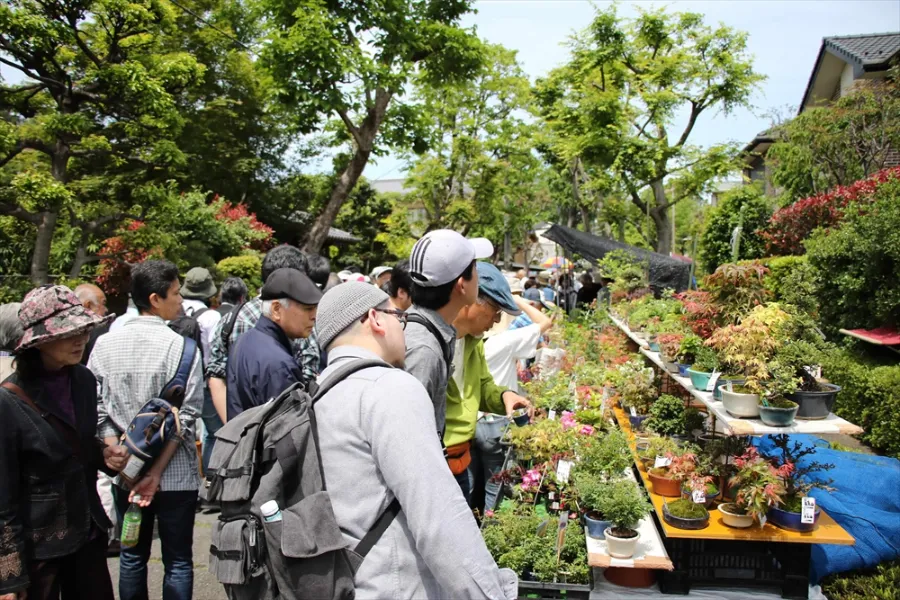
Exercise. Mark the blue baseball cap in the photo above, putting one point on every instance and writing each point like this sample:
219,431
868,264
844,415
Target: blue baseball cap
493,284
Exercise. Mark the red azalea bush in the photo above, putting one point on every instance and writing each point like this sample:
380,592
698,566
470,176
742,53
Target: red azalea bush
700,312
258,236
790,226
114,274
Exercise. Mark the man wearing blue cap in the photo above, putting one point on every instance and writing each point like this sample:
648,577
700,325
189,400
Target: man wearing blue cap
471,387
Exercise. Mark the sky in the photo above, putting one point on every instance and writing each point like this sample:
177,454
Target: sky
784,38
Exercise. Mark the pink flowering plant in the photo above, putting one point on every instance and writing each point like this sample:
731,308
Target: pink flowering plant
758,482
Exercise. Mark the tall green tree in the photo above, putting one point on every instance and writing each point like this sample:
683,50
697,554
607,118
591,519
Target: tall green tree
656,66
98,97
349,63
480,176
745,206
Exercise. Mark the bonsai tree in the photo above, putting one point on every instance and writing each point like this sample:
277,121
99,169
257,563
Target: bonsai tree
666,416
658,446
758,483
705,360
624,505
605,457
669,345
636,388
590,492
796,474
693,421
690,346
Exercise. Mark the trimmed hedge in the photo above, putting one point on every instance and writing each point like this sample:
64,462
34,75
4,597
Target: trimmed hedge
880,583
870,397
248,267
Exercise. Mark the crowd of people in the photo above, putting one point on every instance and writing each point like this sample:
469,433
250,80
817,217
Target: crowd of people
450,335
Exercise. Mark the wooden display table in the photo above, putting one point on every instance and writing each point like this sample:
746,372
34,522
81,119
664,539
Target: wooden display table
731,425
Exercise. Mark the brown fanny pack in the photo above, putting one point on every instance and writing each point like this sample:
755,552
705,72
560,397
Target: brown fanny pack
459,457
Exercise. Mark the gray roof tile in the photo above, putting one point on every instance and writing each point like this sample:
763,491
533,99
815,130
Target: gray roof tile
868,49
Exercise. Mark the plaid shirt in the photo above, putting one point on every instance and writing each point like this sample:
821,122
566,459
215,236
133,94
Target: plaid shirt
306,350
132,365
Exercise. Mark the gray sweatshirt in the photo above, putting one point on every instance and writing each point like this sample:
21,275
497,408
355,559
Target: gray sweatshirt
377,443
425,361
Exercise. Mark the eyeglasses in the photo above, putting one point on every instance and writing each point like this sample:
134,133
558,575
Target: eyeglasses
493,305
401,315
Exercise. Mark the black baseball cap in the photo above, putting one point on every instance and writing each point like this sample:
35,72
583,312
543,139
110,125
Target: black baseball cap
291,284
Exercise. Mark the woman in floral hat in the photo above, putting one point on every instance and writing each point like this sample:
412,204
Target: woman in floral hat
52,525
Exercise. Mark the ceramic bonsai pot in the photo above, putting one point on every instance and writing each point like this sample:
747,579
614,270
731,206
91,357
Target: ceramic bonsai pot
717,393
620,547
670,365
778,416
685,522
815,405
654,347
732,518
628,577
699,379
791,521
637,421
740,405
683,369
595,527
664,485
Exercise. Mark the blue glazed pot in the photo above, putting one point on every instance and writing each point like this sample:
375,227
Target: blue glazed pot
683,369
654,347
777,417
791,521
637,422
699,379
595,527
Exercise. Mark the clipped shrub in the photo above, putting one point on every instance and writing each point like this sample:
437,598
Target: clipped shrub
248,267
859,264
745,206
880,583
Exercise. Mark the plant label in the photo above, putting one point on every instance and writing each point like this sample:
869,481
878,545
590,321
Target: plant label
808,512
605,393
551,495
633,412
698,496
713,380
563,468
554,506
552,414
762,520
661,461
730,389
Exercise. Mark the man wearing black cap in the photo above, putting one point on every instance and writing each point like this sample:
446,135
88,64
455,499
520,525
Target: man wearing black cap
261,366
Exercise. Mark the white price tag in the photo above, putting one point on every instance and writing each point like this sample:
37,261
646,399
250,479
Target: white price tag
633,412
762,520
605,393
730,389
551,495
699,496
563,468
554,506
713,380
661,461
808,512
551,415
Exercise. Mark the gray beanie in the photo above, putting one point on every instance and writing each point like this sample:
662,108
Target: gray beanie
343,305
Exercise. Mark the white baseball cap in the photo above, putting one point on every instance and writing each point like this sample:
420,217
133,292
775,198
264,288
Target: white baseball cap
442,255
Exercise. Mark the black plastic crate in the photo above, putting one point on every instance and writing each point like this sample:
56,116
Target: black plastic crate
535,590
723,563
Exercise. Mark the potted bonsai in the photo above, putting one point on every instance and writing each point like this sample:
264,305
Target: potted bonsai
666,416
758,487
624,505
774,409
604,457
685,513
656,446
636,391
786,458
687,352
590,492
669,348
705,363
667,480
814,397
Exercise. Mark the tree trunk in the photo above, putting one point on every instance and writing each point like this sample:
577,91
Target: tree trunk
40,259
660,215
339,193
586,218
620,226
79,261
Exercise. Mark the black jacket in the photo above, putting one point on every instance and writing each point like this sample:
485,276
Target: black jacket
48,494
260,367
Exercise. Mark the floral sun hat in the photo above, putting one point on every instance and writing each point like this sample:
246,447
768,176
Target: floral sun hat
53,312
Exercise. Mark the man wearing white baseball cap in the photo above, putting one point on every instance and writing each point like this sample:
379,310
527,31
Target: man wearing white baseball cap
444,280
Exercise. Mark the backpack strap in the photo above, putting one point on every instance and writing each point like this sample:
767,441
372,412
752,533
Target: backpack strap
445,347
195,314
174,391
381,524
229,325
317,390
64,431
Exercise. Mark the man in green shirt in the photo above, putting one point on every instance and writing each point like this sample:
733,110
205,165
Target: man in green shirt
471,387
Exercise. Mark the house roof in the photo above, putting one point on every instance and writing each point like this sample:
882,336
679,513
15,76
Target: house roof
389,185
759,145
301,217
865,53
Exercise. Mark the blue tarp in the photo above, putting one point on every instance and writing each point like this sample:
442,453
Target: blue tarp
865,502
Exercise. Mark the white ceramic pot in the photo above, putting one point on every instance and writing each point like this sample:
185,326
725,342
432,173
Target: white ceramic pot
620,547
740,405
733,519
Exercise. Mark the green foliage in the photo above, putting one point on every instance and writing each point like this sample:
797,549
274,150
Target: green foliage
628,272
248,267
859,264
605,456
666,416
590,490
543,440
686,509
737,288
745,206
635,386
792,280
363,215
625,504
880,583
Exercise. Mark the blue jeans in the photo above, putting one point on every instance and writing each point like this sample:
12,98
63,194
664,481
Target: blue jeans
174,512
212,423
465,485
488,455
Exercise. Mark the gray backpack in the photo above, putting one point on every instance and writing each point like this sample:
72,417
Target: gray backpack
271,452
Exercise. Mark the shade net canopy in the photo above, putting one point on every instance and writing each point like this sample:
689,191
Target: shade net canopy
665,272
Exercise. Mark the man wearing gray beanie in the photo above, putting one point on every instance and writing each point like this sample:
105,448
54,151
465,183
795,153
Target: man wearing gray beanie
377,444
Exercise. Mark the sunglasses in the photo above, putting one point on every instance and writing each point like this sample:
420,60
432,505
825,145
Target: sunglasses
401,315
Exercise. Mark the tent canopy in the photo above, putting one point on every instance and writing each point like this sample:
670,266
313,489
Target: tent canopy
665,272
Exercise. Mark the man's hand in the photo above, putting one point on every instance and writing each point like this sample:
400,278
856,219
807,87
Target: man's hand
512,401
22,595
115,457
146,487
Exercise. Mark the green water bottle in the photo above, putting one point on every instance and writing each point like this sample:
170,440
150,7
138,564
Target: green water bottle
131,524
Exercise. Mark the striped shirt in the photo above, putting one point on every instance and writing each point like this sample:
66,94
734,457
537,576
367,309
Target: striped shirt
305,350
132,365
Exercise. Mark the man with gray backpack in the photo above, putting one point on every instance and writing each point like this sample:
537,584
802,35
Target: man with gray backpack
346,493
